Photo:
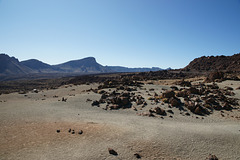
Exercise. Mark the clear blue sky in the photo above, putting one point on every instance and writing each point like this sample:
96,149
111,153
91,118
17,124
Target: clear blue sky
132,33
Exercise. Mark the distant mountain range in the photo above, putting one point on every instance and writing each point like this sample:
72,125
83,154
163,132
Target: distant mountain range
89,65
126,69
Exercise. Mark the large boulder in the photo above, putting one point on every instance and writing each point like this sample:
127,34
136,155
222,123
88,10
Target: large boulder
175,102
193,90
159,111
168,94
215,76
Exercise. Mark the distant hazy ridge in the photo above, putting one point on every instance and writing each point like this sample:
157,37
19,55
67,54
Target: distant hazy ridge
12,66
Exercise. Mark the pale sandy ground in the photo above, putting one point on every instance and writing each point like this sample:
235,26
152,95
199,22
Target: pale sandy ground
28,127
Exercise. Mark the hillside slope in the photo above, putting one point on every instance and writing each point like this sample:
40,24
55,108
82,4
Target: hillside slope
85,65
11,66
211,63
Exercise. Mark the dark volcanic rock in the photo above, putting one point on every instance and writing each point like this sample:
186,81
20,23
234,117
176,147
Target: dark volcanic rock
112,151
170,111
193,90
211,157
200,110
211,63
212,77
168,94
159,111
175,102
184,83
95,103
137,155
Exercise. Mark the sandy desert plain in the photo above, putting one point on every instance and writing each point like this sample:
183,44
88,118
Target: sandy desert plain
68,123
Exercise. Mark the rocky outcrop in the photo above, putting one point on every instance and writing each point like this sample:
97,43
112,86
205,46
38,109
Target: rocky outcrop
211,63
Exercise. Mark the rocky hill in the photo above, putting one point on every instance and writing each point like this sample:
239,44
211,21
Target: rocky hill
211,63
40,67
11,66
85,65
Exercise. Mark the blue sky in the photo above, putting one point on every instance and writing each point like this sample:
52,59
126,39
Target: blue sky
132,33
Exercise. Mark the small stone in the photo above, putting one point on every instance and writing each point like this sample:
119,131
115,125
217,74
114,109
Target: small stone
137,155
80,132
58,131
170,111
212,157
69,130
113,152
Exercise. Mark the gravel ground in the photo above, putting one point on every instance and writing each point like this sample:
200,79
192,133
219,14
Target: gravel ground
29,124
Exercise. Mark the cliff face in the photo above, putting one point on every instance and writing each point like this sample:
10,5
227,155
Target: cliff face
223,63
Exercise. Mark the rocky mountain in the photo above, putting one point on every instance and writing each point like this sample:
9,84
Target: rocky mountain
126,69
11,66
211,63
40,67
85,65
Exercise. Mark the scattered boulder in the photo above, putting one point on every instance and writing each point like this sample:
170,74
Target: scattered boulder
215,76
35,90
227,106
138,156
174,88
228,88
95,103
200,110
182,93
149,114
58,130
170,111
73,131
114,107
211,157
158,111
168,94
175,102
64,99
184,83
193,90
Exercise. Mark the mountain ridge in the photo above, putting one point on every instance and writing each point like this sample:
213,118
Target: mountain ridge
89,65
